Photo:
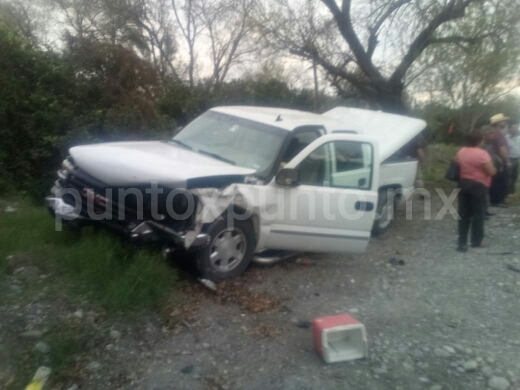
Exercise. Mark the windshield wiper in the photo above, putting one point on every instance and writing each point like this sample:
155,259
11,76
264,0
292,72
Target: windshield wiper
214,155
182,144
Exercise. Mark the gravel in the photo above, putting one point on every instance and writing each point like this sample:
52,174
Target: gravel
443,320
304,324
498,383
31,334
450,350
93,366
114,334
470,365
441,352
42,347
188,369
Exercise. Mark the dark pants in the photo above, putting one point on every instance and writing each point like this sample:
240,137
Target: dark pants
514,175
499,187
472,210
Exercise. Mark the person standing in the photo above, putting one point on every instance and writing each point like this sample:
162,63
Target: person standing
476,171
500,184
513,142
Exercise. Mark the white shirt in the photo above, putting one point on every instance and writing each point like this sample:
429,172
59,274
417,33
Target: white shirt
513,141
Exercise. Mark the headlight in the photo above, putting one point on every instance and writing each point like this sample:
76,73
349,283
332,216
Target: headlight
67,164
63,173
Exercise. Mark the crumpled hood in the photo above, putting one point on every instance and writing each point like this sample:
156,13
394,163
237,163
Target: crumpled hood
133,163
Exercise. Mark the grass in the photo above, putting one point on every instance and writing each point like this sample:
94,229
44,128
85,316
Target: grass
96,265
439,157
93,269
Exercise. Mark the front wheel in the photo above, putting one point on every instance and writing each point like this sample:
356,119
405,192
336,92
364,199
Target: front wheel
230,250
385,214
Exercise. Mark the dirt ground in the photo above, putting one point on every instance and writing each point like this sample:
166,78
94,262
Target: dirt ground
425,319
441,320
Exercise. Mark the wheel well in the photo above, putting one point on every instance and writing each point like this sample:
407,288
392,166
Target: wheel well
253,218
393,187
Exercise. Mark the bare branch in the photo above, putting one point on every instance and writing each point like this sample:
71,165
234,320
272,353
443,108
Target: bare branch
374,30
344,22
458,39
453,10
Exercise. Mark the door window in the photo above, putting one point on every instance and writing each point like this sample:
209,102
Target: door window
352,165
299,141
343,164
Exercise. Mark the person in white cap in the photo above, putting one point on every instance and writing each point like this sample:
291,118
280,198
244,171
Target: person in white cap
500,184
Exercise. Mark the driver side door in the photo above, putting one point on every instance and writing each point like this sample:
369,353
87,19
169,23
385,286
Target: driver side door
331,207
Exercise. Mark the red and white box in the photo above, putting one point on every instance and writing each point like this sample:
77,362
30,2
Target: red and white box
339,338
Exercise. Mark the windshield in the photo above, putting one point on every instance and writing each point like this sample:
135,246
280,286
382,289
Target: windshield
234,140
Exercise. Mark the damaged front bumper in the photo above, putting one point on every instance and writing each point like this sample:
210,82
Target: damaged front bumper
147,231
78,199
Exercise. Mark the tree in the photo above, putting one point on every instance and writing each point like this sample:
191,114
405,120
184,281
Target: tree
117,89
36,108
154,20
472,74
345,40
145,26
189,20
26,19
230,30
80,17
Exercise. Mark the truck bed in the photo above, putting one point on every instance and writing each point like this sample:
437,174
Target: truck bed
399,172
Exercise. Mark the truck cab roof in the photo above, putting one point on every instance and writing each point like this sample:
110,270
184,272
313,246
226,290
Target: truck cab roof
393,131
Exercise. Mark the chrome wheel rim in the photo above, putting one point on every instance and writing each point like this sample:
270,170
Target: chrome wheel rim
227,250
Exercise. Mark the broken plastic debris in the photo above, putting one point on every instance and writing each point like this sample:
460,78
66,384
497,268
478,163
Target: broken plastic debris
208,283
39,378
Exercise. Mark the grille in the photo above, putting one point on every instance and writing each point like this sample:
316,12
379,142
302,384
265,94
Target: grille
137,204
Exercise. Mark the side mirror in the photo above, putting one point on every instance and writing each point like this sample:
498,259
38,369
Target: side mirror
288,177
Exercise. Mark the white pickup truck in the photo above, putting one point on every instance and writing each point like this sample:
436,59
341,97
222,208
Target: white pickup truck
238,181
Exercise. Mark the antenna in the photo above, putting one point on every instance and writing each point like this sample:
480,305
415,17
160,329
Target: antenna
279,118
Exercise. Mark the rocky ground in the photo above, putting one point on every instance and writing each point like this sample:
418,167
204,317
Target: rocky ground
438,319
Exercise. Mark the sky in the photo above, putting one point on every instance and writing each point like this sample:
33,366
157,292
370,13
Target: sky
296,71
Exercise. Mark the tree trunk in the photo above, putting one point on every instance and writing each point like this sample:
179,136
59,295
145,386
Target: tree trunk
390,100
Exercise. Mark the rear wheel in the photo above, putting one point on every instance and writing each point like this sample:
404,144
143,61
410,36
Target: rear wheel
230,250
385,214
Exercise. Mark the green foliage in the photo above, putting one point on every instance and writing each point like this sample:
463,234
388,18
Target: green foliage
92,92
441,118
438,160
116,89
98,266
35,111
94,270
64,347
96,91
184,103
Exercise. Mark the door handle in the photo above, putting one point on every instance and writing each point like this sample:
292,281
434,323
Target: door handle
364,206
